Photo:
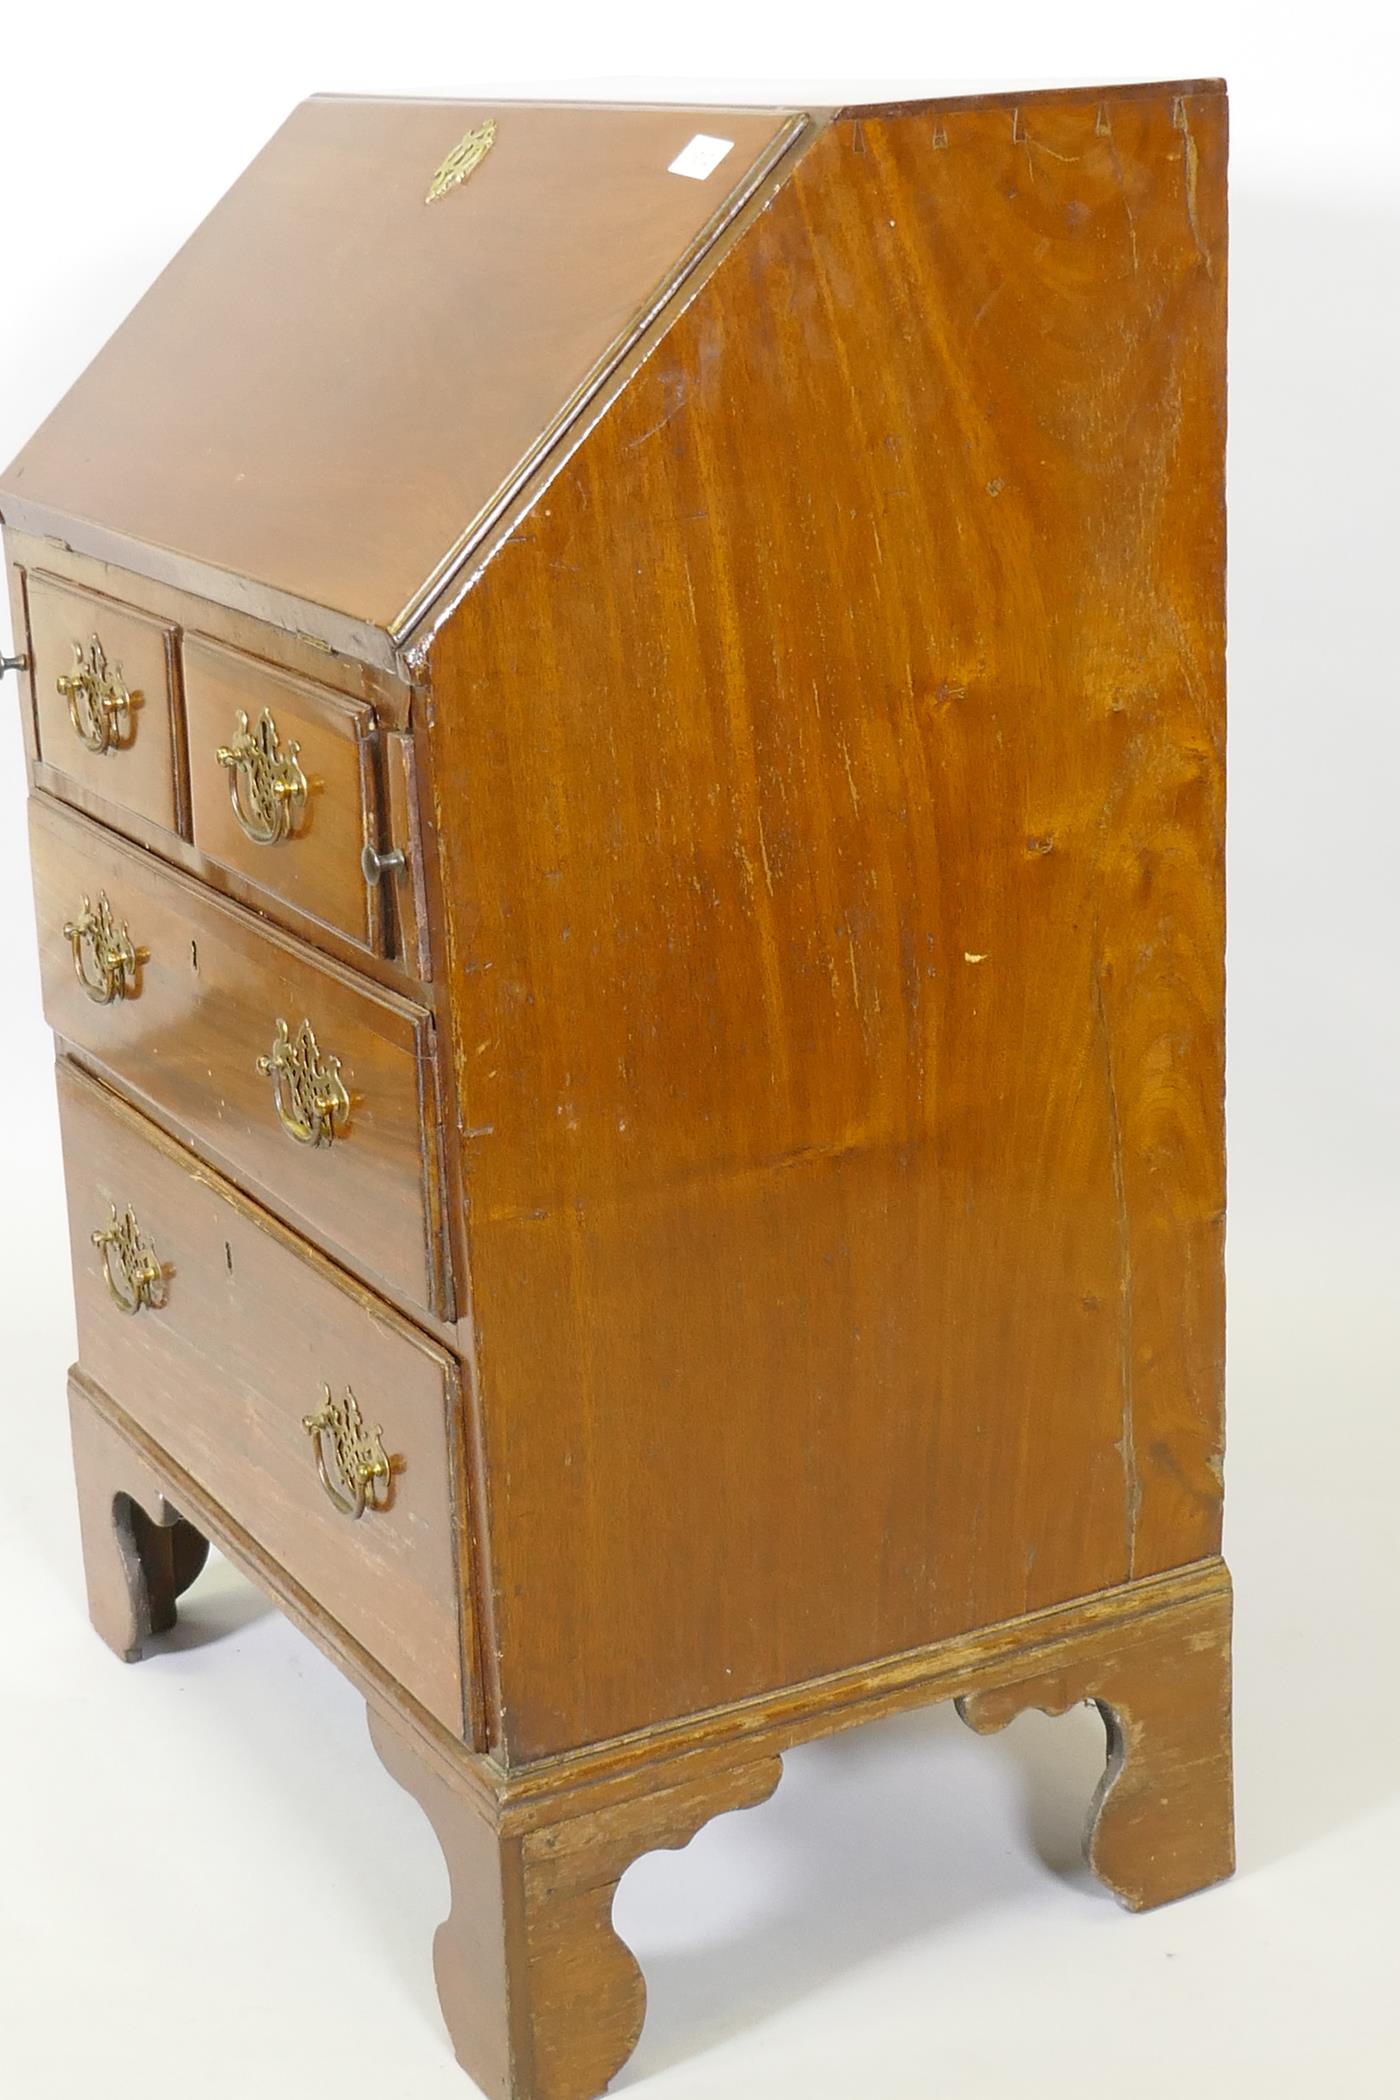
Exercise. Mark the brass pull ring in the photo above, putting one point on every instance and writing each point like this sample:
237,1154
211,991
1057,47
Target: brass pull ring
133,1275
104,961
266,784
353,1466
307,1090
99,705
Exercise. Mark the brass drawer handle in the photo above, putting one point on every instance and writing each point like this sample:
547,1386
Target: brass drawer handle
307,1089
104,961
134,1276
354,1467
266,784
99,705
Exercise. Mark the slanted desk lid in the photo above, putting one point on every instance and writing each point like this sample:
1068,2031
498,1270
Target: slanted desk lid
333,382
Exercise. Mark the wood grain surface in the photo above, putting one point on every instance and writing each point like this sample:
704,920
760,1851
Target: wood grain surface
832,769
545,2002
223,1371
814,808
542,1999
360,677
143,774
401,831
138,1556
211,984
336,429
1161,1824
316,868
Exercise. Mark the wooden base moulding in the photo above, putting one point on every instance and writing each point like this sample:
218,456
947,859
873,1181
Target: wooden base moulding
542,2000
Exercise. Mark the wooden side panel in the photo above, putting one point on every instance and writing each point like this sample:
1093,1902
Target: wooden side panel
831,771
248,1329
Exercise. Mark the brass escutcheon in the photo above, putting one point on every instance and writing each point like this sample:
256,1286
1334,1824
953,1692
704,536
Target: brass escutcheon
466,156
354,1467
104,961
99,705
266,784
133,1275
307,1089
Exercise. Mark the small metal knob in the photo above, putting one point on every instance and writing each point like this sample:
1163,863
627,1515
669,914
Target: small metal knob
13,663
376,865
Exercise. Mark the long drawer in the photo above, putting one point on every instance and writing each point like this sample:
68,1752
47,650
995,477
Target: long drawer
311,1087
225,1338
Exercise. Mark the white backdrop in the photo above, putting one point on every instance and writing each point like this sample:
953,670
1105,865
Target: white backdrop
207,1877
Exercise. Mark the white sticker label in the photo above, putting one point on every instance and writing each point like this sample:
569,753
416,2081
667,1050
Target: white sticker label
701,157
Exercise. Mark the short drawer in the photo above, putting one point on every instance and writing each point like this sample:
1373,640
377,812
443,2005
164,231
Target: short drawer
284,789
324,1425
312,1088
105,700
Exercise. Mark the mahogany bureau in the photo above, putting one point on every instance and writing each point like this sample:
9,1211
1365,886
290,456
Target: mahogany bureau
625,718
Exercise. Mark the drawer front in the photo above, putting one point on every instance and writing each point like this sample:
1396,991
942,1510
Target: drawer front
284,787
241,1341
105,704
216,1022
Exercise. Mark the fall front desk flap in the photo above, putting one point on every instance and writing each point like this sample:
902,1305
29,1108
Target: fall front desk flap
374,335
